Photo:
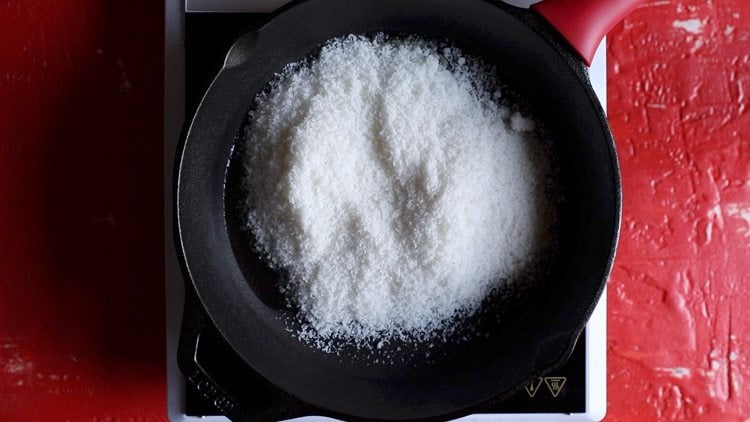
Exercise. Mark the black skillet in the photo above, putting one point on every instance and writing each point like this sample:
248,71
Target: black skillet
236,290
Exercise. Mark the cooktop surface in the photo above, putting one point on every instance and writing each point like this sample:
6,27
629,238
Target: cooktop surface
575,391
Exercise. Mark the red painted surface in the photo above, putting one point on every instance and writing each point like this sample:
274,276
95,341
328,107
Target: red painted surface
679,298
81,286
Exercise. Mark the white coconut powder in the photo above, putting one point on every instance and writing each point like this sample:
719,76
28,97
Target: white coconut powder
389,184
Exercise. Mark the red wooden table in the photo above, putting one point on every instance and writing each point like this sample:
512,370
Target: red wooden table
81,262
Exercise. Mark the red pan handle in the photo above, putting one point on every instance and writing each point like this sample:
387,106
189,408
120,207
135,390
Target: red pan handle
584,23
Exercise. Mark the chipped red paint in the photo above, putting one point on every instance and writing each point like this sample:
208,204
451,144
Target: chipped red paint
679,298
81,287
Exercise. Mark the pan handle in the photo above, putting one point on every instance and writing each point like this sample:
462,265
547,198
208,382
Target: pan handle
224,380
191,333
204,384
239,51
583,23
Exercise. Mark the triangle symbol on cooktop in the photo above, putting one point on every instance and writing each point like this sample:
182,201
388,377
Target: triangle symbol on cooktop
555,384
533,387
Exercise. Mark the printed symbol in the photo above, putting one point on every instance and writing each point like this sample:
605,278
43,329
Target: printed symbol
532,388
555,384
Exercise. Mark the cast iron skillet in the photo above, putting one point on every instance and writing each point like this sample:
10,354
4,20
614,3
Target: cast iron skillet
540,330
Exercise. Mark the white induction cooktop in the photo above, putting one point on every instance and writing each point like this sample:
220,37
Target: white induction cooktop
174,94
